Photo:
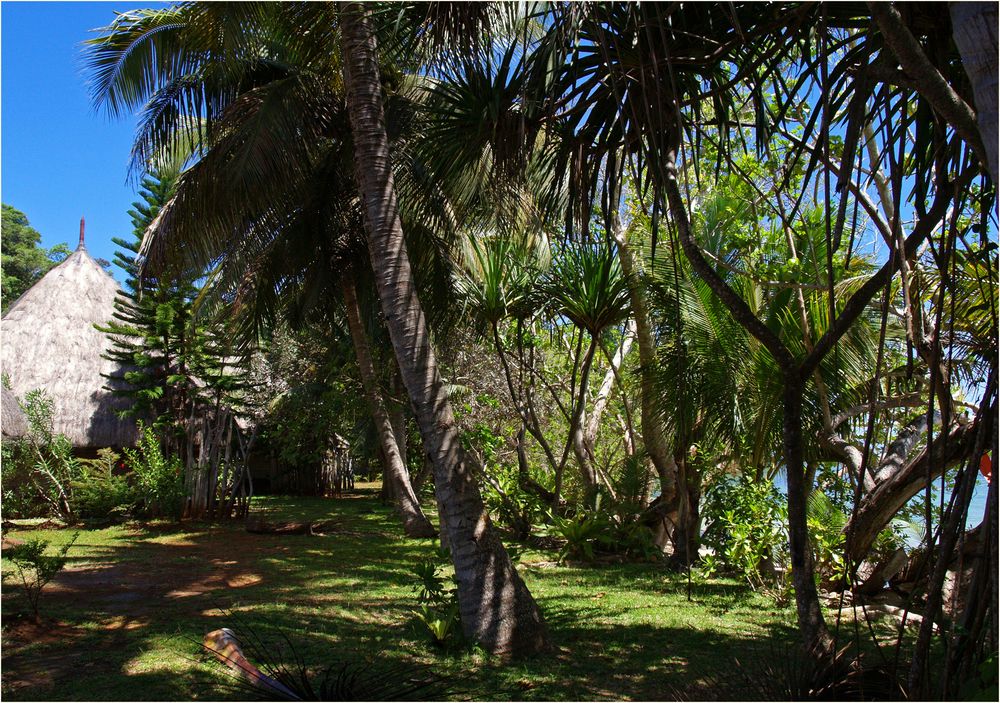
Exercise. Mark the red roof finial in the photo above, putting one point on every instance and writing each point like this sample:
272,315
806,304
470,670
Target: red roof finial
81,230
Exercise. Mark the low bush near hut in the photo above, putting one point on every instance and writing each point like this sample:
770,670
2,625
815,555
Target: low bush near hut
99,492
158,479
34,568
38,470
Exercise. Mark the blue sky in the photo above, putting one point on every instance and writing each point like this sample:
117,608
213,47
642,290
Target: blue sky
60,158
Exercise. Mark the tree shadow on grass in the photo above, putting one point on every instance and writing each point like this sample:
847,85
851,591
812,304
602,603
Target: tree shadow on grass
639,662
146,600
137,608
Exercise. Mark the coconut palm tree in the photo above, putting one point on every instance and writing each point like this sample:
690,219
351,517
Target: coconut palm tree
273,250
495,606
238,67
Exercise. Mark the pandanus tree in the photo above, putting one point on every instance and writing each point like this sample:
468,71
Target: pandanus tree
575,286
497,279
206,66
585,285
614,90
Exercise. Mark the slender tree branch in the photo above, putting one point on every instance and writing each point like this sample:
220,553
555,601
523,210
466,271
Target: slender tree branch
911,400
740,310
857,303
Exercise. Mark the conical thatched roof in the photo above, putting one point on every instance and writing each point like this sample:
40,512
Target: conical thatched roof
13,423
49,342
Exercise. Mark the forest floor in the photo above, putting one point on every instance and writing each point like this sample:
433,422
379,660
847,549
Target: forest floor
125,619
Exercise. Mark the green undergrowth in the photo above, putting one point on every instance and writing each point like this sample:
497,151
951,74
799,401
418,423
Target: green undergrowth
125,619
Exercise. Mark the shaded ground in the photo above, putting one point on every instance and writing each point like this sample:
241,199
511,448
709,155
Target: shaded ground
124,620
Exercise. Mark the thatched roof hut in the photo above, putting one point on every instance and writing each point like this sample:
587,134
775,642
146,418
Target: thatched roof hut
49,342
13,423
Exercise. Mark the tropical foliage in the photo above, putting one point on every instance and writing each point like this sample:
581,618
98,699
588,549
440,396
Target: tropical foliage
712,283
24,261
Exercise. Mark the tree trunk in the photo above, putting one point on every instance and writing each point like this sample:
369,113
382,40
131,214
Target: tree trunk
810,616
686,535
397,415
654,436
415,523
495,606
974,27
588,473
603,396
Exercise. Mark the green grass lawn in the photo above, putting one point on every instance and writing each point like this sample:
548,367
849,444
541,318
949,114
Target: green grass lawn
125,619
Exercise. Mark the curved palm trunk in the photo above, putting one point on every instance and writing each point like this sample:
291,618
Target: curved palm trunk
495,606
653,437
974,26
415,523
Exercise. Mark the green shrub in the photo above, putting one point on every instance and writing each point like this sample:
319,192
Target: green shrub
34,568
509,503
746,528
582,534
635,540
38,470
826,523
20,498
99,492
158,480
438,609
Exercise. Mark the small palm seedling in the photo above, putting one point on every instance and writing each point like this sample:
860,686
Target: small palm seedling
439,621
438,604
36,569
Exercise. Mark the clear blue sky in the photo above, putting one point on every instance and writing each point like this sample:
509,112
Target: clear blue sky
60,158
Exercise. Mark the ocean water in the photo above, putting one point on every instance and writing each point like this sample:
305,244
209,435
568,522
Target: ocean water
977,506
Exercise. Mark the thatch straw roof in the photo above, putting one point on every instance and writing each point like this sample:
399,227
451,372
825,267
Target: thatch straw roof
49,342
13,423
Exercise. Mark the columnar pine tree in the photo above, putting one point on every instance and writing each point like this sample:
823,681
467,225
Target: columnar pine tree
178,369
151,331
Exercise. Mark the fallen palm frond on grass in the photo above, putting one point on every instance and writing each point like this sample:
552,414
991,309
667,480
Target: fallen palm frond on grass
347,681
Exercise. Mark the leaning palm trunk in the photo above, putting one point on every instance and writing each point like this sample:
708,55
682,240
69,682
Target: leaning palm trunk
654,436
495,606
415,523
